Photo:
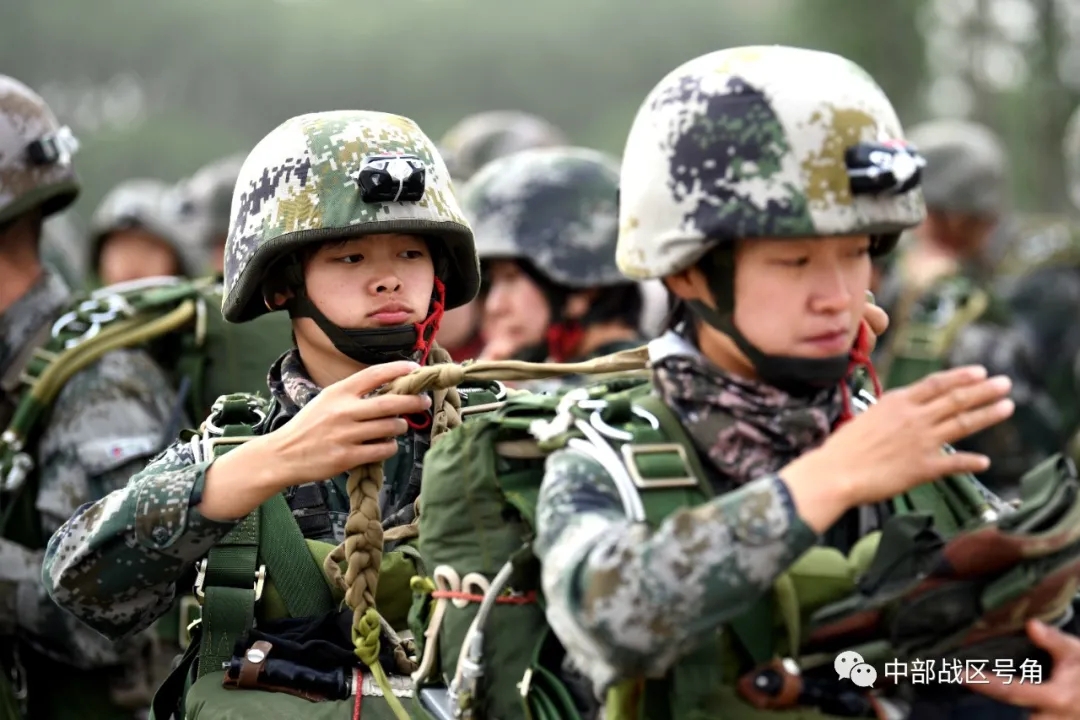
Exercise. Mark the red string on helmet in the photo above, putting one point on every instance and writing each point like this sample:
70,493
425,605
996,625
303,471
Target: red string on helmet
564,339
859,357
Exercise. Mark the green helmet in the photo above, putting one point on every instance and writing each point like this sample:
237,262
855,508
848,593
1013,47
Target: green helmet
554,208
147,204
35,154
1071,152
337,175
761,142
965,167
486,136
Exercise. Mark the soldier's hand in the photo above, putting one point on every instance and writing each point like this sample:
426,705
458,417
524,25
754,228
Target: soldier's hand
897,444
877,321
1058,699
342,429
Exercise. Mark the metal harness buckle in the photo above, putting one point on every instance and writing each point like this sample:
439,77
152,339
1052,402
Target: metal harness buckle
630,453
200,580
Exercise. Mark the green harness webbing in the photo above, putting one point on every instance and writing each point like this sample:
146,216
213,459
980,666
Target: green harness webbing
231,578
110,319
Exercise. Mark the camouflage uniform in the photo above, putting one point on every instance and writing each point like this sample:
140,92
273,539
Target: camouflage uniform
312,194
554,212
741,143
144,204
107,420
958,317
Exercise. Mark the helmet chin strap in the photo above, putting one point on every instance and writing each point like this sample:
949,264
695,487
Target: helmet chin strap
374,346
794,375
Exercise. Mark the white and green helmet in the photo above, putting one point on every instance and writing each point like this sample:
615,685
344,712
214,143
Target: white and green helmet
336,175
762,142
758,142
35,154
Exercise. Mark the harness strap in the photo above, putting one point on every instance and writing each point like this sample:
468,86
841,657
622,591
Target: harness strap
231,579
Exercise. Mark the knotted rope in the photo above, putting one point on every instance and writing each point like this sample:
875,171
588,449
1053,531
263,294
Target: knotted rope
363,545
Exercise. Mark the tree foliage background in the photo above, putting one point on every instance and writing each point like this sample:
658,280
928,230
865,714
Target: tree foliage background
158,87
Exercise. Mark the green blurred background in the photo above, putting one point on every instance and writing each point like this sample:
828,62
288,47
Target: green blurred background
157,88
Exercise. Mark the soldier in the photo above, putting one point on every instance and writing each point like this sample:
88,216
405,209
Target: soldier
468,146
545,223
758,183
347,220
944,308
134,234
1041,285
106,421
206,197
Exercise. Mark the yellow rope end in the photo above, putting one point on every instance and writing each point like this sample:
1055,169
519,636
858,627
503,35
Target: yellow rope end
365,636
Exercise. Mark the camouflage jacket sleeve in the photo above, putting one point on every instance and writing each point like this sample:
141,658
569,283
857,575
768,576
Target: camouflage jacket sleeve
103,426
627,599
115,563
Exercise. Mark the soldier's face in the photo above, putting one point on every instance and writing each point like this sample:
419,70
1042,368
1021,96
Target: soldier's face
134,254
516,312
370,282
804,297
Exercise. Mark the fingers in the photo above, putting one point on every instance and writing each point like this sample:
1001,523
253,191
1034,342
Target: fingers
876,318
1013,693
374,452
387,406
374,377
939,383
964,398
974,421
959,463
381,429
1061,646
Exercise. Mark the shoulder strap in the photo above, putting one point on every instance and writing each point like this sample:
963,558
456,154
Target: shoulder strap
924,340
231,579
112,318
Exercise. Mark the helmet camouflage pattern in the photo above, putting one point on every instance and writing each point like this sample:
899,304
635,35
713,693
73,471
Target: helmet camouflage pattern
35,154
486,136
207,196
965,166
146,204
752,143
300,186
1071,152
555,207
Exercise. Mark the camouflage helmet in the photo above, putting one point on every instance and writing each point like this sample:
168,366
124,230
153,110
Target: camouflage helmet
965,167
555,207
1071,152
35,154
325,176
147,204
760,142
483,137
207,196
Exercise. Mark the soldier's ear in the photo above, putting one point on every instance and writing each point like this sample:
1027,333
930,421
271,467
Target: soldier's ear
689,284
578,304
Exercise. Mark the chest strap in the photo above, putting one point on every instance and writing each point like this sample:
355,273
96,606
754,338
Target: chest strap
231,578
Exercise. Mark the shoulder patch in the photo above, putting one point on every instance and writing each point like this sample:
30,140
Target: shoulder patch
105,454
